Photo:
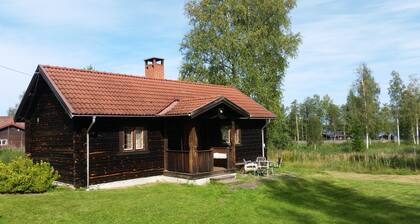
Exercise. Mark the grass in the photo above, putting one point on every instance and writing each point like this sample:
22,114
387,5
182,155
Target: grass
381,158
8,154
301,196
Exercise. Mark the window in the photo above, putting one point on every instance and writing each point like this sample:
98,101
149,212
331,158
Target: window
3,142
238,136
133,139
128,139
226,135
139,139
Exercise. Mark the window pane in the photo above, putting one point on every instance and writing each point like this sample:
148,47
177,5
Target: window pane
128,140
139,138
225,134
238,136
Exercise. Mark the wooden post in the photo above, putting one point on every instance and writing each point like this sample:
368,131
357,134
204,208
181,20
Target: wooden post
165,146
192,147
232,152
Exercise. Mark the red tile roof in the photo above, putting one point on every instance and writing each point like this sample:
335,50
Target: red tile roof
101,93
6,121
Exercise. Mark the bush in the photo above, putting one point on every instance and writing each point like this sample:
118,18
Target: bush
8,154
24,176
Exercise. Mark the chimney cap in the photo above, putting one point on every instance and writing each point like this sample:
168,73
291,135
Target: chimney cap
153,58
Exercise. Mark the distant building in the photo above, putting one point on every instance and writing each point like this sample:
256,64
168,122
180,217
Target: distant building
338,135
11,134
385,136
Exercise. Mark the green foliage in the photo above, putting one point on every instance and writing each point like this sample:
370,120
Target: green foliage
293,121
382,158
89,68
314,131
8,154
410,110
395,92
357,139
23,176
362,107
246,44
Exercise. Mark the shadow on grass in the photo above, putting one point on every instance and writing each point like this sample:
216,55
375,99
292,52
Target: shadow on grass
338,204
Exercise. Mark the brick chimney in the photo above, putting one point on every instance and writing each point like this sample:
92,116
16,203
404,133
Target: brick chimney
153,68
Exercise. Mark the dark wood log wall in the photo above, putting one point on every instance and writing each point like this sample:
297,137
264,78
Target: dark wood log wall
49,135
251,142
15,137
107,161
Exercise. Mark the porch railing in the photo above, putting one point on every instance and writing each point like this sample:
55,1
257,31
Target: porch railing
205,160
178,161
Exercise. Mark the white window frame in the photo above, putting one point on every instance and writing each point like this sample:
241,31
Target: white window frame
134,140
131,147
138,139
3,142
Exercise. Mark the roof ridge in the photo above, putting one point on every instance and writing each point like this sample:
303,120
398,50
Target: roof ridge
135,76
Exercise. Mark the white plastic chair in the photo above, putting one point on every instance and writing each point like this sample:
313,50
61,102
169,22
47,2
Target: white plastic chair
264,166
250,166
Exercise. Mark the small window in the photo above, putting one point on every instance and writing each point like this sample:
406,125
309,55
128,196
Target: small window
226,135
3,142
133,139
225,130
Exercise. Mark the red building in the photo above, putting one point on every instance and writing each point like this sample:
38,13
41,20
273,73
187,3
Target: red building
11,134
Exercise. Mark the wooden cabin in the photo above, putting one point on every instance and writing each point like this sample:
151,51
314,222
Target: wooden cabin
96,127
12,134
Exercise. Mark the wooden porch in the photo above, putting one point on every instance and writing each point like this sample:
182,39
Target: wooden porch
196,157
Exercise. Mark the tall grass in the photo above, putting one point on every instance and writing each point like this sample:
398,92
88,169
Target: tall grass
9,154
381,158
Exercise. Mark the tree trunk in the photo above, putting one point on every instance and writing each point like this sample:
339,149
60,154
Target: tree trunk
398,131
417,130
367,140
297,129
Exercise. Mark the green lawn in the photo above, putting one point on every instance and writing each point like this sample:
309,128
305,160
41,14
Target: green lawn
301,197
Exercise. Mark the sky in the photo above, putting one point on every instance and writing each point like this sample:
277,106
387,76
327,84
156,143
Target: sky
116,36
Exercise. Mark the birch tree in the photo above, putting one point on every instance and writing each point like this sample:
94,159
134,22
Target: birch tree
367,90
395,92
246,44
410,110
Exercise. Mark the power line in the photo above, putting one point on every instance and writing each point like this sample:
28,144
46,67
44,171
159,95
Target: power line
14,70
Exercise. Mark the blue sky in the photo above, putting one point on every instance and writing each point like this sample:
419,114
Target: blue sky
117,35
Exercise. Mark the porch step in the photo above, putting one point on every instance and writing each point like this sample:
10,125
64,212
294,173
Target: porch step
225,178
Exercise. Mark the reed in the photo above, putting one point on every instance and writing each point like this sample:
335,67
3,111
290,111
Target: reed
402,161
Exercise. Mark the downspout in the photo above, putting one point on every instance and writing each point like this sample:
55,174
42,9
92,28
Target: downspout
262,136
88,151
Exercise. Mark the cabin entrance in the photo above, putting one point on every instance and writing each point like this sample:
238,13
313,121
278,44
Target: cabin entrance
202,145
